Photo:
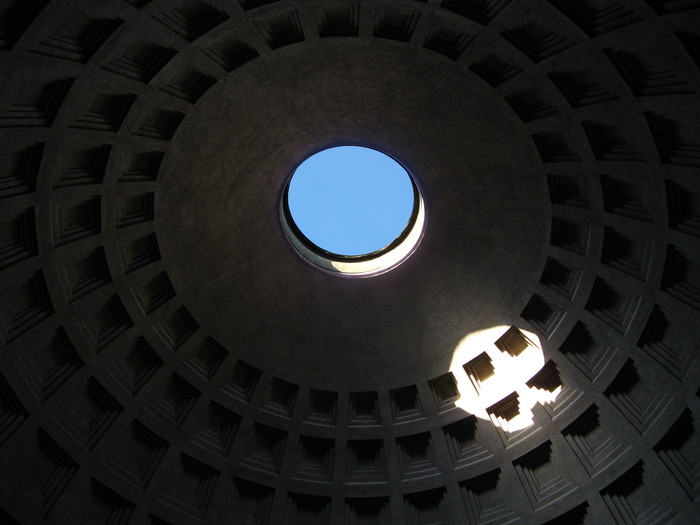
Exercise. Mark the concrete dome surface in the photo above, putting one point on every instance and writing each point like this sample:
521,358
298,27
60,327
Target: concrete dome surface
167,357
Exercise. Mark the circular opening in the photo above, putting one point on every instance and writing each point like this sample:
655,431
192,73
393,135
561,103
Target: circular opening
350,200
352,210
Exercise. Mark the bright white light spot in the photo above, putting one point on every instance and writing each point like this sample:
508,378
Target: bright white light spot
497,375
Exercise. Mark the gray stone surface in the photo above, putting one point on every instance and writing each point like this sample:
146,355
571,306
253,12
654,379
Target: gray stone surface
166,356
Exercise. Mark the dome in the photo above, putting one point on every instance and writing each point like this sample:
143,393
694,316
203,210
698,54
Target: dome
168,357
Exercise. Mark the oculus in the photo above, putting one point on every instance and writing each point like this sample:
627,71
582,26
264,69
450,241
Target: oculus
353,211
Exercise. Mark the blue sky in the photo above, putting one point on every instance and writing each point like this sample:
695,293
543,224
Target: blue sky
350,200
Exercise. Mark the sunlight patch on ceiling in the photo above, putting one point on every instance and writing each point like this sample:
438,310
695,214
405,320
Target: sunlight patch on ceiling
501,374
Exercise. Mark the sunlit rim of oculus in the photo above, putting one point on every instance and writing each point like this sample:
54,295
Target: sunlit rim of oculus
357,265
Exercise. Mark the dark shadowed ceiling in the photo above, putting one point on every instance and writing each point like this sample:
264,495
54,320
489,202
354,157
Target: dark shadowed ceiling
168,358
